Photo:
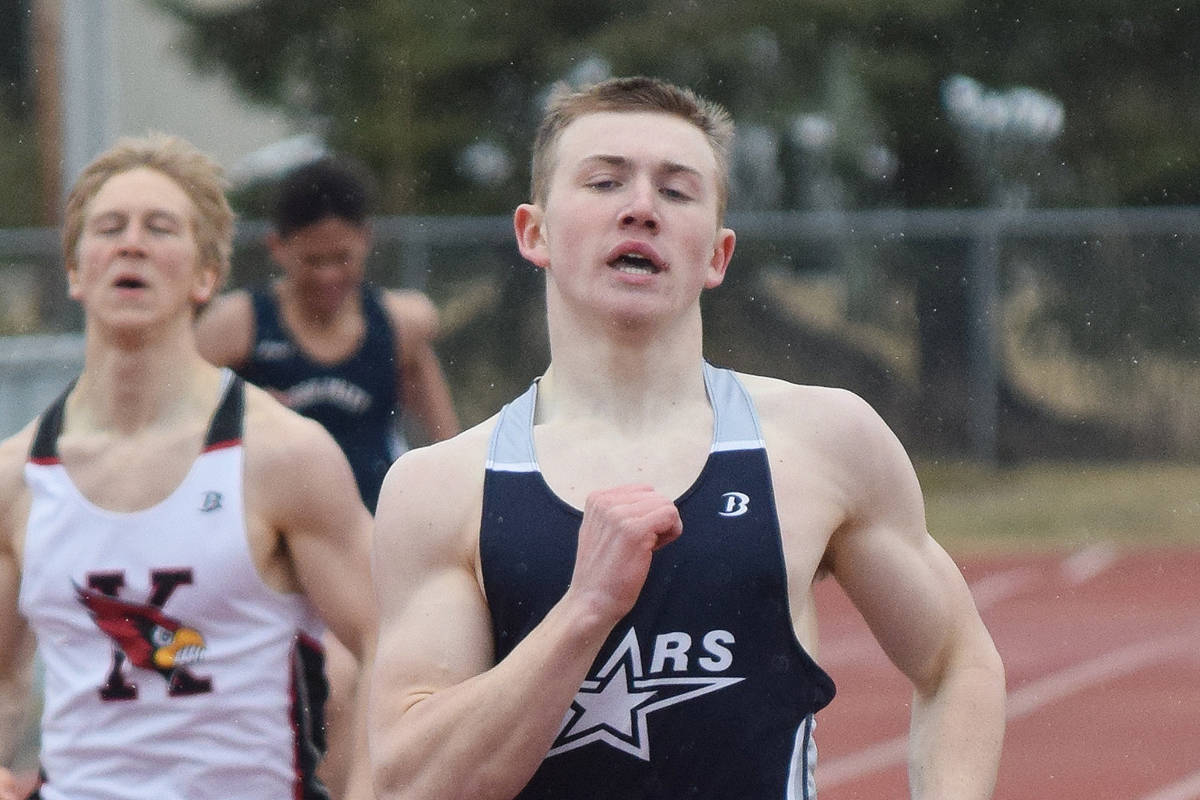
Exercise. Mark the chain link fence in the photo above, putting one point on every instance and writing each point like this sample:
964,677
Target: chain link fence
995,334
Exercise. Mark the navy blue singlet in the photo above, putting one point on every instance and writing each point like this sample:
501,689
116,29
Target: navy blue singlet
356,399
703,689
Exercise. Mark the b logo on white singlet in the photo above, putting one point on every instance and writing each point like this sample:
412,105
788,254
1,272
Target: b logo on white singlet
736,504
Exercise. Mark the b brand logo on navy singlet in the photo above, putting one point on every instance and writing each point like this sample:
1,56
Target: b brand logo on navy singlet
734,504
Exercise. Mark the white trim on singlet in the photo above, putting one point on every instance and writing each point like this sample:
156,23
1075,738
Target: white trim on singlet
801,780
735,423
511,448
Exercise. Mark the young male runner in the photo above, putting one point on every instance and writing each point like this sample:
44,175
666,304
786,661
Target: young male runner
324,341
175,538
606,590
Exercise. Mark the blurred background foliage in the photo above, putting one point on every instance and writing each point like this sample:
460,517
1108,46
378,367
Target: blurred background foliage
440,96
841,108
18,202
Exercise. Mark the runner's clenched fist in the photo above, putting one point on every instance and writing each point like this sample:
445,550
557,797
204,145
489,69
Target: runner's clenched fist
621,529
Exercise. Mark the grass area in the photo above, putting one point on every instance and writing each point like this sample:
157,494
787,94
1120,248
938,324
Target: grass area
1062,505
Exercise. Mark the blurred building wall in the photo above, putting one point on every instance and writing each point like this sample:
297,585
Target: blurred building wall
125,72
33,371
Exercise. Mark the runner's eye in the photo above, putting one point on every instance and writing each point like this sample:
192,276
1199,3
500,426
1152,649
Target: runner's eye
107,225
164,224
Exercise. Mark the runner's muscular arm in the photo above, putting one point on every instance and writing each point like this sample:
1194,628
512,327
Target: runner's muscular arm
916,602
308,495
15,655
225,329
16,652
446,721
16,709
423,385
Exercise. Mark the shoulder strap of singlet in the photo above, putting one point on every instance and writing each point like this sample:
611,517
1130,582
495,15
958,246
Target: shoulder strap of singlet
735,428
44,448
225,430
511,448
375,312
266,312
380,344
736,421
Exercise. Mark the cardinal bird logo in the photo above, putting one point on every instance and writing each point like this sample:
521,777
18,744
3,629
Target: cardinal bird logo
149,638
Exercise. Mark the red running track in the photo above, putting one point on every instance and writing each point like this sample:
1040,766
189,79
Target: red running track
1102,652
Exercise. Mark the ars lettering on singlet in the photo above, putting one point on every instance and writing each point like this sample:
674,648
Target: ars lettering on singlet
143,635
612,705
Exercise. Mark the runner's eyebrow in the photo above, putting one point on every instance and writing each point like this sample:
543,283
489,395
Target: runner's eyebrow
106,216
163,215
152,214
604,160
674,168
665,167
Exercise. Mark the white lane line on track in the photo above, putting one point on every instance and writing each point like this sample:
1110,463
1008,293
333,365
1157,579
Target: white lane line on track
991,589
1118,663
1186,789
874,758
1089,562
987,591
862,649
1023,701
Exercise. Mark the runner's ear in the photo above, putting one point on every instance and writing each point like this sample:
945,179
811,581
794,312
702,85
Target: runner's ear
528,224
721,255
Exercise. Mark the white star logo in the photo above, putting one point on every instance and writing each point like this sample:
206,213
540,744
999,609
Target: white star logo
612,708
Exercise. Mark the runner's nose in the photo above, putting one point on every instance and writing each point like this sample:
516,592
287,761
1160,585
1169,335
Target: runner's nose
642,208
